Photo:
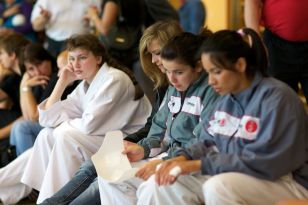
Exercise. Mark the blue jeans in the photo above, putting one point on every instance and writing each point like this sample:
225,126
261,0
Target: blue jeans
81,189
192,16
23,135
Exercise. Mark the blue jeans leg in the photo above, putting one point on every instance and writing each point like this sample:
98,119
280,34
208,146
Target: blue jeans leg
89,196
23,135
75,187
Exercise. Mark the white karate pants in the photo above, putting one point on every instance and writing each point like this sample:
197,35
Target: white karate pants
228,188
57,155
11,189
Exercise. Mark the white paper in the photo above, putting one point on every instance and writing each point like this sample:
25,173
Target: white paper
109,162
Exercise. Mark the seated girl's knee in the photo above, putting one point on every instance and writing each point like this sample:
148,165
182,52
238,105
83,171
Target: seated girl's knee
217,182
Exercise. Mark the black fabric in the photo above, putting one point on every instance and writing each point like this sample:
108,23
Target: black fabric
132,11
55,47
159,10
10,85
41,93
288,61
123,37
7,152
143,132
130,21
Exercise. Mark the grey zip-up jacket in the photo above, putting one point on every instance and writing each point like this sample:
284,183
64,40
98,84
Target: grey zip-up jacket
179,114
262,131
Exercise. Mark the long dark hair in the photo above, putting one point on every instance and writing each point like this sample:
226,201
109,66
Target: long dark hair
185,47
91,43
226,47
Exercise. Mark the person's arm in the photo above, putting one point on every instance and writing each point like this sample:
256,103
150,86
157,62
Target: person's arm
279,146
252,14
4,72
152,143
40,17
166,174
25,10
11,11
6,104
109,17
3,95
53,111
28,103
65,79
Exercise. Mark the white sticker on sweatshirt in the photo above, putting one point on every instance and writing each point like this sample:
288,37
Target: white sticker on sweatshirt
174,104
193,105
225,124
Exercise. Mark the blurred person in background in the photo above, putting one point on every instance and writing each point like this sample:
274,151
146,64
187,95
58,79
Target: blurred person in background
61,20
285,36
37,84
15,15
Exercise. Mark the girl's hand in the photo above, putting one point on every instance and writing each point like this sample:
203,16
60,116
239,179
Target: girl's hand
148,169
67,75
133,151
28,81
171,169
45,13
92,13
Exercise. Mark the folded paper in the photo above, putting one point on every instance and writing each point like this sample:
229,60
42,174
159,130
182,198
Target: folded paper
109,162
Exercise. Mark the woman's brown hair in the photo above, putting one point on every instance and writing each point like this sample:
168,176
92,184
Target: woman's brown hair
91,43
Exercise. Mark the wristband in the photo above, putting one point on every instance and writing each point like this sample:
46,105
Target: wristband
175,171
25,89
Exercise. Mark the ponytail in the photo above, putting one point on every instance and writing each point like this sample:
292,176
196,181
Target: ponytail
226,47
259,51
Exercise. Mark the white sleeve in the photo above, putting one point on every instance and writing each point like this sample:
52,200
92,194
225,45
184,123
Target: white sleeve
61,111
101,112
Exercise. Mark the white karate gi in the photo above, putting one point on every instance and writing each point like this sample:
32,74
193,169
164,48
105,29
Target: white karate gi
11,190
75,128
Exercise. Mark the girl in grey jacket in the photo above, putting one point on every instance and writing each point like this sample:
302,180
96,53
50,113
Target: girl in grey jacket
253,148
187,98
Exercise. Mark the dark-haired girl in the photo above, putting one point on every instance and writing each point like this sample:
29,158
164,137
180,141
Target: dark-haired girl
253,148
187,98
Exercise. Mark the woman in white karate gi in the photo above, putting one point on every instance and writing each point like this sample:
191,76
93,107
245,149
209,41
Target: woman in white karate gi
107,99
